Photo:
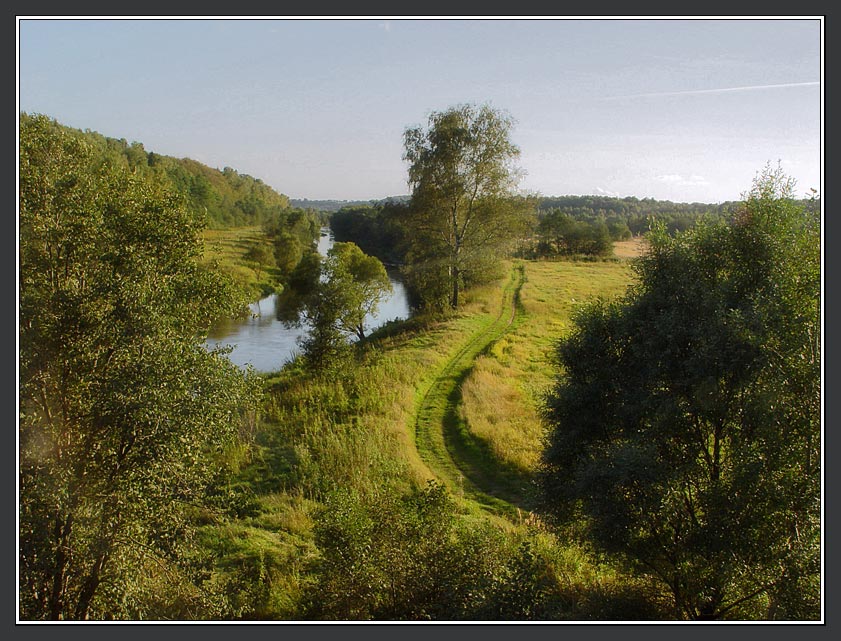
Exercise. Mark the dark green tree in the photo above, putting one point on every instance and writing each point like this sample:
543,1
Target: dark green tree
462,214
261,255
121,408
555,228
685,427
561,234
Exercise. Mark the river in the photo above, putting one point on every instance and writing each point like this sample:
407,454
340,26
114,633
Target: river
267,344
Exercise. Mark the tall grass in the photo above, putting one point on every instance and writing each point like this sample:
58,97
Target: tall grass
503,393
351,430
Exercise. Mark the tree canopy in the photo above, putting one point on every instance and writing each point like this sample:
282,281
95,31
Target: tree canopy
334,296
462,213
122,410
685,425
363,281
220,198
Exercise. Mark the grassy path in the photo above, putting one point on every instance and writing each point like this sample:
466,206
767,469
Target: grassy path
444,442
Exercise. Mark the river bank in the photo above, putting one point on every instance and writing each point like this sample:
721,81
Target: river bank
267,344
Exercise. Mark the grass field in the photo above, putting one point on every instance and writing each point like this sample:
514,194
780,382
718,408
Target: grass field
485,370
632,248
228,248
505,389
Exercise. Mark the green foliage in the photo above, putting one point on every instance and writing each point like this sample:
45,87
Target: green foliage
294,234
388,557
375,228
288,253
416,556
219,199
462,216
122,410
561,234
226,198
636,214
685,427
363,281
261,255
333,296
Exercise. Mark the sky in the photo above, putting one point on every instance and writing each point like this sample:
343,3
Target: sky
683,110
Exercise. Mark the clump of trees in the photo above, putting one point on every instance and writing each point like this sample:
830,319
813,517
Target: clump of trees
123,412
637,213
463,214
685,427
412,557
376,228
292,233
560,234
333,297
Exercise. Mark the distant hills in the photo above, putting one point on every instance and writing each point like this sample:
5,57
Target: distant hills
336,205
591,204
225,198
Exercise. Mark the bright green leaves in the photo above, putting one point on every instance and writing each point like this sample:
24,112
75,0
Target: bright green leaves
122,408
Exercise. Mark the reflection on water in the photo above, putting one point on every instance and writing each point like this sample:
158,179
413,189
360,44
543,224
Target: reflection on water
266,343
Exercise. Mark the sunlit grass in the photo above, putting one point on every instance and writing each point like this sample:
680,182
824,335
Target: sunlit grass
631,248
355,430
503,394
227,249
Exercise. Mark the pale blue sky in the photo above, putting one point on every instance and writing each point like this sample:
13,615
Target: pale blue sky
685,110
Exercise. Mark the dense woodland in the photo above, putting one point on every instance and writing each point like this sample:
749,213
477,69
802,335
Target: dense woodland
556,433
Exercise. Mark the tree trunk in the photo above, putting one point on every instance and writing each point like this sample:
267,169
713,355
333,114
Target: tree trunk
63,527
454,301
89,588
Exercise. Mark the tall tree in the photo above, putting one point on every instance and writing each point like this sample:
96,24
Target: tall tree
121,407
462,173
685,428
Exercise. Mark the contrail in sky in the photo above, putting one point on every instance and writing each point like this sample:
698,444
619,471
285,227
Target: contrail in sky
724,90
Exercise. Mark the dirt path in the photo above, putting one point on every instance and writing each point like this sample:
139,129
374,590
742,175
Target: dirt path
459,459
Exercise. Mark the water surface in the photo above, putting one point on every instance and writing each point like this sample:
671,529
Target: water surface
267,344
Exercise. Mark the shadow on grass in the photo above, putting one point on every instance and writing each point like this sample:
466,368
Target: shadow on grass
512,486
273,463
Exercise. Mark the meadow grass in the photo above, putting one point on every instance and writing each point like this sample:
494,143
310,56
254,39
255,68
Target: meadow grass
503,394
226,248
631,248
460,460
354,428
